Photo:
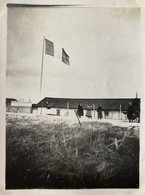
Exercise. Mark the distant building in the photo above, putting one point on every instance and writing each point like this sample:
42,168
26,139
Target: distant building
9,100
112,108
18,106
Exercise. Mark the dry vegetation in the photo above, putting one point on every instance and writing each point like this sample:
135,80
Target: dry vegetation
40,154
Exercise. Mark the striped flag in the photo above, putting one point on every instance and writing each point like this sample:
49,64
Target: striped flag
49,47
65,57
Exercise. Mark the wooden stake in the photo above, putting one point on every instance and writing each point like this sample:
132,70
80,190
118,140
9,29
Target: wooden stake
78,118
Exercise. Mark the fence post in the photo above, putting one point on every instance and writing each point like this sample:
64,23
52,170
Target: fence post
94,110
120,112
67,105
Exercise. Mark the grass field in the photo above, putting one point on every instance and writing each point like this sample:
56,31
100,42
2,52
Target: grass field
55,155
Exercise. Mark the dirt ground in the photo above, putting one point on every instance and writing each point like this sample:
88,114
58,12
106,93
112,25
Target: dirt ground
72,120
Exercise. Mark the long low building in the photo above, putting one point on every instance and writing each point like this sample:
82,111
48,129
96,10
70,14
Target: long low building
112,108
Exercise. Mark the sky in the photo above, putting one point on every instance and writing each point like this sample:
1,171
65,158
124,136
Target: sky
103,45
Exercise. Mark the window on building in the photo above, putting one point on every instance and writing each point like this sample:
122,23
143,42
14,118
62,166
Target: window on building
58,112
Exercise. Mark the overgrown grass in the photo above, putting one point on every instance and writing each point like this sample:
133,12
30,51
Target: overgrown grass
57,156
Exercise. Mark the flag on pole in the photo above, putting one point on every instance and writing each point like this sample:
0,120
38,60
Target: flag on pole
65,57
49,50
49,47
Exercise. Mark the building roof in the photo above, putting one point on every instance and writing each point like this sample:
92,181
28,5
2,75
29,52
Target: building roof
9,100
107,104
34,105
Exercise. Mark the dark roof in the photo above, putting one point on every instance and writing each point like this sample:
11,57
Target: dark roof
9,100
107,104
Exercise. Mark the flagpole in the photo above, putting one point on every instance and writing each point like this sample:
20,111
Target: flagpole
42,66
41,77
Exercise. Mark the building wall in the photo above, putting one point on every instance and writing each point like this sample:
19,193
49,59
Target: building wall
34,110
115,115
16,109
71,113
19,107
22,104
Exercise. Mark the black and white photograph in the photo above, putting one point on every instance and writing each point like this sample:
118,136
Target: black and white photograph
73,103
